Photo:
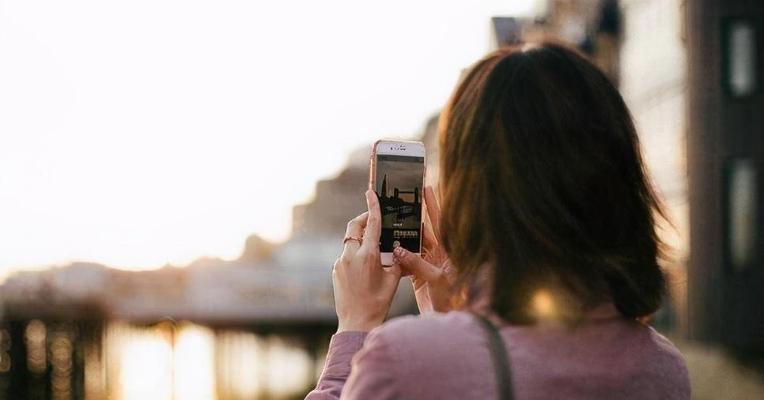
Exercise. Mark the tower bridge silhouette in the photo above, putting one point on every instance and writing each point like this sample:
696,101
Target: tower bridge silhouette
396,205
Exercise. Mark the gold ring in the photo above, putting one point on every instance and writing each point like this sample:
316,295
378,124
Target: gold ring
359,240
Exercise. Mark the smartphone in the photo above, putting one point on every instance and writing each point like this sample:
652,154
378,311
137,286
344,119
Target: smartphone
397,176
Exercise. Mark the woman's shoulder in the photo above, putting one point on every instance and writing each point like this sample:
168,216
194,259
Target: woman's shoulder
615,350
638,340
652,360
434,324
431,356
667,356
641,354
613,335
427,332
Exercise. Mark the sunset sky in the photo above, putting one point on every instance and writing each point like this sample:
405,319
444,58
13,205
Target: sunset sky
136,133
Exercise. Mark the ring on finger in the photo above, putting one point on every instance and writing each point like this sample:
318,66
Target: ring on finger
357,239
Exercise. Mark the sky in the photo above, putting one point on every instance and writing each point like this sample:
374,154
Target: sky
144,132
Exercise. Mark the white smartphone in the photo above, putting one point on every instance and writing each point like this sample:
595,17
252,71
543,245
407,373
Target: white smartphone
397,176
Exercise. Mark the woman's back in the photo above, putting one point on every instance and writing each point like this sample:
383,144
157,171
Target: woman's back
542,191
446,356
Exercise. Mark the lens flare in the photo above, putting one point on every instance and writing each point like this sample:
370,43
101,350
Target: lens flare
543,304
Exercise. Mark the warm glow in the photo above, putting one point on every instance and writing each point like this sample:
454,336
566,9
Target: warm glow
195,363
198,364
240,365
289,368
35,337
145,367
543,305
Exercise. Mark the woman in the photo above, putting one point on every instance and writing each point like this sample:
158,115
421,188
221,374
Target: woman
546,231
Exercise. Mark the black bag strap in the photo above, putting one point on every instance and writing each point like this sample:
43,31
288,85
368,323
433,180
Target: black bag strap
500,359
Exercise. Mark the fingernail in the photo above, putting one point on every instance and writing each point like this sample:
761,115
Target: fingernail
398,251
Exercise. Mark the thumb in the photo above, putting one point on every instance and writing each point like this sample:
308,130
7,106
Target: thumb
416,265
392,275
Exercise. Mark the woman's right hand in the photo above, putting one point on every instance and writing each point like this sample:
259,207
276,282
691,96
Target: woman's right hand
431,274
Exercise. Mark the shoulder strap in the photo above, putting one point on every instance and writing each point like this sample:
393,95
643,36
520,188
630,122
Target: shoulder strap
499,356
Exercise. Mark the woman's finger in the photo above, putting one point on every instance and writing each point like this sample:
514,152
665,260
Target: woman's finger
354,230
433,210
373,223
449,272
429,240
416,265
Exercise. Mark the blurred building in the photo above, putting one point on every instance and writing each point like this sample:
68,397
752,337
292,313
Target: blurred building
337,200
725,153
653,84
595,26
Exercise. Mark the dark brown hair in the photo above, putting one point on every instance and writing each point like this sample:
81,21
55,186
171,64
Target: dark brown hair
542,179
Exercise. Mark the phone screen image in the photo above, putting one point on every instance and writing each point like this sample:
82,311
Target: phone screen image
399,189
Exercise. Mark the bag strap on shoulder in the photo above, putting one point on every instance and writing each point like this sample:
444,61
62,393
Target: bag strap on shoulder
499,357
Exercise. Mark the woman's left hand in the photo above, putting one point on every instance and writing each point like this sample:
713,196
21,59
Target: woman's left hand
363,288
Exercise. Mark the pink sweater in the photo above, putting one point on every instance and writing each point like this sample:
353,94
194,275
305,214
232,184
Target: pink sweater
445,356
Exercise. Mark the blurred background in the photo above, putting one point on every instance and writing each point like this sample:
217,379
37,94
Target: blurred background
176,176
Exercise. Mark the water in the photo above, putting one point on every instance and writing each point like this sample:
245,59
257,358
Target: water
164,361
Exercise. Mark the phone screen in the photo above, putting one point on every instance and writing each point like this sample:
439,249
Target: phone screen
399,189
